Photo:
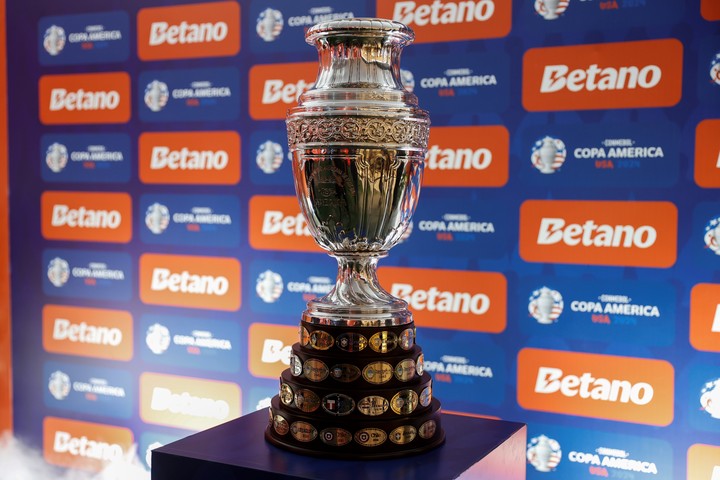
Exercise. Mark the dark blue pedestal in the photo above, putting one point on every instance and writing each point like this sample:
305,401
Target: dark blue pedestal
474,448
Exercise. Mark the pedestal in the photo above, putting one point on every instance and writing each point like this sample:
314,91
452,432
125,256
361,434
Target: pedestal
474,448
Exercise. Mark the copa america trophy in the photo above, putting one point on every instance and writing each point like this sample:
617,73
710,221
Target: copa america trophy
356,387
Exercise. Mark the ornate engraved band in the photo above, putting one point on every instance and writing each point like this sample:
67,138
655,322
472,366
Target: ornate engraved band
378,131
397,370
303,430
367,402
366,341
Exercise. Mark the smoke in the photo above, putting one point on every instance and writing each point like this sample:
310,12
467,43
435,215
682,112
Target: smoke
21,462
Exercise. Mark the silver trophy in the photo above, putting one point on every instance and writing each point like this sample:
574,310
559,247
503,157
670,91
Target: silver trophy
356,385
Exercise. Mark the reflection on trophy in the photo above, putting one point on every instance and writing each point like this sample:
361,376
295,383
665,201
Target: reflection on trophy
356,385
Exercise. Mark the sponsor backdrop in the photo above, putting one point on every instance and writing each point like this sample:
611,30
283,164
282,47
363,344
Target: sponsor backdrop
563,264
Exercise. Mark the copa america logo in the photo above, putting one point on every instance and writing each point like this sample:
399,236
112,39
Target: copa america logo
548,154
156,95
269,24
157,338
269,286
56,157
269,156
59,385
544,453
157,218
715,69
710,398
407,79
545,305
58,271
54,40
712,235
551,9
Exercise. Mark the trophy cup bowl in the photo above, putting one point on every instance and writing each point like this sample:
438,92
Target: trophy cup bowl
358,142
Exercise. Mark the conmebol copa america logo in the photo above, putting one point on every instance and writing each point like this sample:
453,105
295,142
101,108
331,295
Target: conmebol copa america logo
56,157
544,453
407,79
156,95
59,385
715,69
269,24
269,156
546,305
712,235
548,154
157,218
551,9
58,271
269,286
157,338
710,398
54,40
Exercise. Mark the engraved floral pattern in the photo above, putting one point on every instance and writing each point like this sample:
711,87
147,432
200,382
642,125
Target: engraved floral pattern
413,133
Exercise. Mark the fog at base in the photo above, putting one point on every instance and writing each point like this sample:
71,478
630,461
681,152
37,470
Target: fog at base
21,462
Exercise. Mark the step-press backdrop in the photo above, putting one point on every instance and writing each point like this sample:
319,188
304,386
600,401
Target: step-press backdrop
562,265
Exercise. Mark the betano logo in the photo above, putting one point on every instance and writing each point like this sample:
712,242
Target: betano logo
645,73
705,317
707,154
467,157
84,98
450,20
189,31
626,389
638,234
211,283
84,445
188,403
275,88
269,349
703,462
450,299
276,223
88,332
189,158
86,216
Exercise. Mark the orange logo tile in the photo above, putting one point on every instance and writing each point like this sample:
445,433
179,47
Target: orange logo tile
707,154
86,216
212,283
450,299
626,389
275,88
640,234
84,445
189,31
188,403
84,98
275,223
475,156
88,332
450,20
645,73
189,158
705,317
269,349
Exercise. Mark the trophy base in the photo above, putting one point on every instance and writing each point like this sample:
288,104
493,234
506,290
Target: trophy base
359,438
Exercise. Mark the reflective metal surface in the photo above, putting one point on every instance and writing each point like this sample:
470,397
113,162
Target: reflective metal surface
358,142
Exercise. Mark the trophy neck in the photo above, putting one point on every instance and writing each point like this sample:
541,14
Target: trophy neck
359,59
357,296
